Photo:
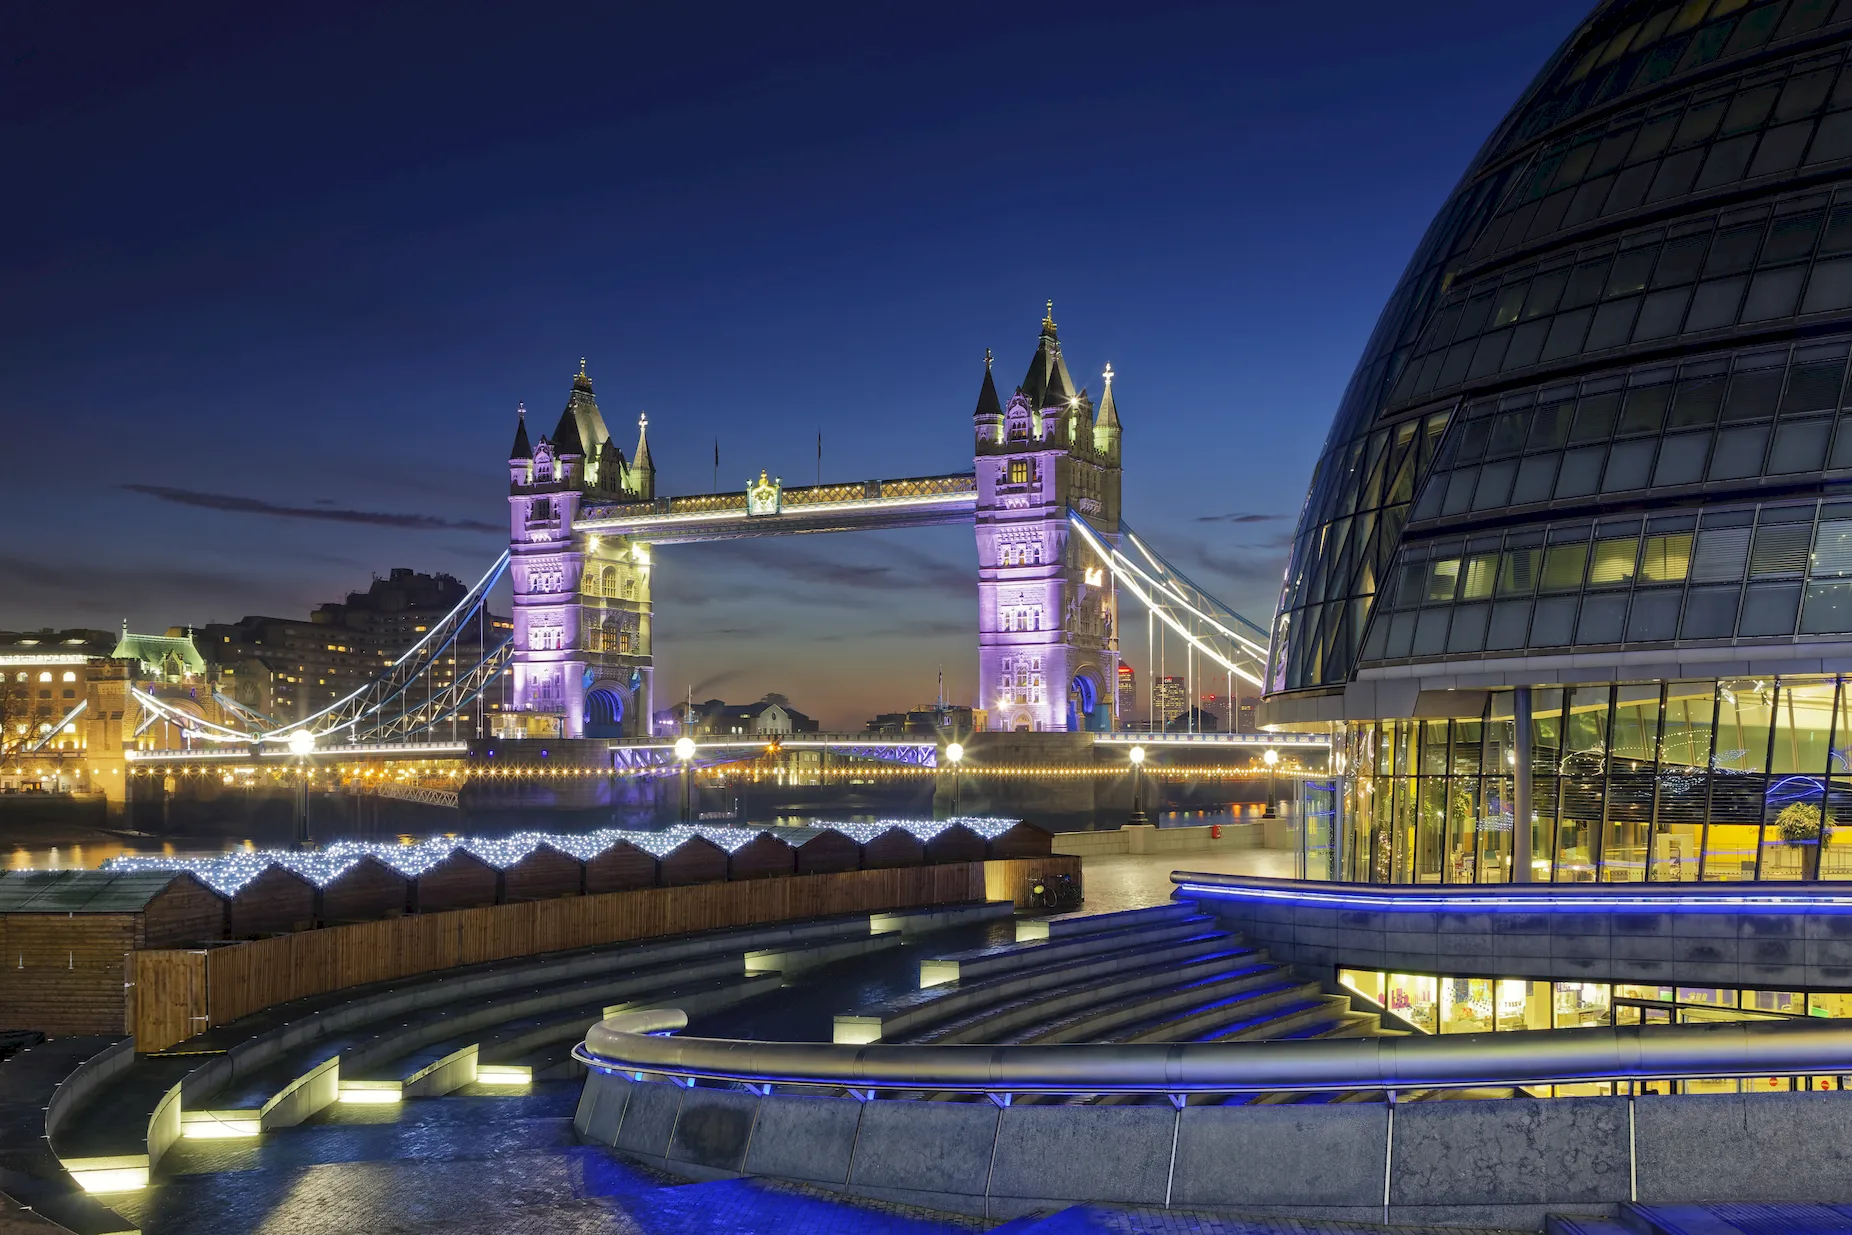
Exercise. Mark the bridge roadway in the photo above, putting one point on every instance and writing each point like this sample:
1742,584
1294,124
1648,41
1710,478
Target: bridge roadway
919,501
645,752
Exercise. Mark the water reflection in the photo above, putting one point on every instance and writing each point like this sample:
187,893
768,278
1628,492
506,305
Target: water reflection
93,854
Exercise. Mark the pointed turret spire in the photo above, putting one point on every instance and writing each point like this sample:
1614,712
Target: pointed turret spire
642,467
988,405
522,448
1047,383
1108,413
586,432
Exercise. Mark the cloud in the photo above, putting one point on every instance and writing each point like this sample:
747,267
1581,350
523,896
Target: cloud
234,504
35,593
1239,517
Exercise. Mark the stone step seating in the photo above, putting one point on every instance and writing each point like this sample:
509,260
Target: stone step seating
1717,1218
1067,925
979,963
948,1006
277,1066
266,1093
503,1045
1011,1018
1109,1022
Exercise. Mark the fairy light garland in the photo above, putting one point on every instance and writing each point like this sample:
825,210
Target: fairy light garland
230,873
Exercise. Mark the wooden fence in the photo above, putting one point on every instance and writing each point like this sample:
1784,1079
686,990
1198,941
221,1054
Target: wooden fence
180,993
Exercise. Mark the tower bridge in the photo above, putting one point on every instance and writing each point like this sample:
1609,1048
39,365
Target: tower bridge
1054,557
1043,498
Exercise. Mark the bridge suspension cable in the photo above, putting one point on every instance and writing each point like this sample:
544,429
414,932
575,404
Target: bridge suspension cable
367,714
1207,626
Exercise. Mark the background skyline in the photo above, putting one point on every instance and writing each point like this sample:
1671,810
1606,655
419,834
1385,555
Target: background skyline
280,279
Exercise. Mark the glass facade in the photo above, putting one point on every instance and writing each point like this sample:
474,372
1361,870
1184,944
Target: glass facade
1602,408
1668,781
1446,1004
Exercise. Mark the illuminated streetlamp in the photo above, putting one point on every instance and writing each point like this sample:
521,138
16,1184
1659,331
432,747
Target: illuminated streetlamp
1270,758
1138,784
685,751
954,754
302,745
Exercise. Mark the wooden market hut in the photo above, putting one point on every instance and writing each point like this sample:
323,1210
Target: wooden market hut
277,901
1024,840
894,847
695,860
826,852
367,891
65,935
460,881
763,857
544,874
957,843
620,868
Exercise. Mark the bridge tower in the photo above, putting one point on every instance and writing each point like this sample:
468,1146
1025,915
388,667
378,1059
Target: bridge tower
1048,647
582,664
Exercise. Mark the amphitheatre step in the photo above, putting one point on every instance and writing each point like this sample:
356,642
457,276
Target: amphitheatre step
995,1022
371,1045
1005,957
940,917
219,1070
1063,925
1101,1023
911,1013
438,1068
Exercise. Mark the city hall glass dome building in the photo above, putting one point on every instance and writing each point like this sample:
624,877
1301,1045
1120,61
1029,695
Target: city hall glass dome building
1586,508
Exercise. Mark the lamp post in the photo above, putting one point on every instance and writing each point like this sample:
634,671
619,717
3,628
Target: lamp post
686,756
301,745
1270,758
1138,784
954,754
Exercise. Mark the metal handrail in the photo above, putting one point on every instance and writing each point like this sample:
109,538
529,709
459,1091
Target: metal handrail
1742,897
1798,1047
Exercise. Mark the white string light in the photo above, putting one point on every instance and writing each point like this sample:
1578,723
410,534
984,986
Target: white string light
230,873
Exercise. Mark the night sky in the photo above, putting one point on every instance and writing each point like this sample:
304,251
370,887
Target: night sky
276,277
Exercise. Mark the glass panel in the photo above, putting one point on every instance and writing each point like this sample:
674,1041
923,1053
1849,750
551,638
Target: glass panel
1413,998
1581,1004
1522,1005
1745,716
1667,559
1366,982
1517,575
1632,749
1791,838
1461,829
1684,756
1546,755
1613,562
1833,1006
1584,755
1403,838
1431,825
1562,567
1494,864
1466,1005
1836,849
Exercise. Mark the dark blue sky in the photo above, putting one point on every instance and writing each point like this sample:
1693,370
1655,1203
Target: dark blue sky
310,258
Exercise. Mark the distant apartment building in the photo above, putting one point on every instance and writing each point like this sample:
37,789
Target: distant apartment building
287,669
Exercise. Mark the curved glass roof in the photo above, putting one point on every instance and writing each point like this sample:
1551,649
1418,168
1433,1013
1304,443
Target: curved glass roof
1631,319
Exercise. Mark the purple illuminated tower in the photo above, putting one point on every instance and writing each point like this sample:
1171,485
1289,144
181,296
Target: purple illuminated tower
1048,647
582,614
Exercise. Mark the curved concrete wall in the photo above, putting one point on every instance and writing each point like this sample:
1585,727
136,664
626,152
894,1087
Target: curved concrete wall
1483,1163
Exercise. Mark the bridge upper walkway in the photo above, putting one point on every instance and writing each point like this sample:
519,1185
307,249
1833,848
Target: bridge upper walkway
918,501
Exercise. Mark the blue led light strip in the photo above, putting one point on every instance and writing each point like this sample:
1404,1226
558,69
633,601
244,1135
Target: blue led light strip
1543,902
